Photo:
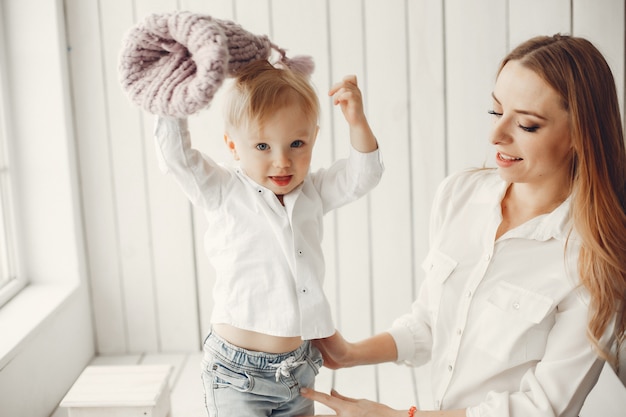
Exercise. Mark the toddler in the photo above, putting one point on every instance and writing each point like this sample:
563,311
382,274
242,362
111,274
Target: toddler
265,226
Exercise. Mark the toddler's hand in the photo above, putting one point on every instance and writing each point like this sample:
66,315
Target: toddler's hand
347,94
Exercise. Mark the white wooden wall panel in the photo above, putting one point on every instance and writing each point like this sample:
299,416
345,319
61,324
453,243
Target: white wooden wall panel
427,123
426,69
427,120
528,18
353,280
172,238
95,172
385,35
475,42
128,177
386,59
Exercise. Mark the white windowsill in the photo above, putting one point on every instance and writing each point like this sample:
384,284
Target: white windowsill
27,312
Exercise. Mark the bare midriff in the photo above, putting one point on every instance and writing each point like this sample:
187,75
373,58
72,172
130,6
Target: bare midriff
255,341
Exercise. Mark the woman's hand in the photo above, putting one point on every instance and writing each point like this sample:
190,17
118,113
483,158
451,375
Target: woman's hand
339,353
335,351
349,407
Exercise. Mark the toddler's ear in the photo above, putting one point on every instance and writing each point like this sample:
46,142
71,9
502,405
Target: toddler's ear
231,146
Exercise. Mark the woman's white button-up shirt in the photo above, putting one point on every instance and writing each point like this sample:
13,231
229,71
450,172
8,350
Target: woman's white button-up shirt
267,257
503,322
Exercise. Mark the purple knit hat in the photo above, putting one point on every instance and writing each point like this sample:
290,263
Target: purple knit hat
172,64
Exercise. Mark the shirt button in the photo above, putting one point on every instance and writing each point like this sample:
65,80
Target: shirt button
450,368
469,294
303,290
300,252
516,305
487,257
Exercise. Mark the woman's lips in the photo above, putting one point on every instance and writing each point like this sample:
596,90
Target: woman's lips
504,160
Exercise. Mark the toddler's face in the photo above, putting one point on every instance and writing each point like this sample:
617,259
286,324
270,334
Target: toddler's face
278,155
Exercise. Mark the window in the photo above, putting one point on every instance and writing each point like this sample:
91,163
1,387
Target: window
10,281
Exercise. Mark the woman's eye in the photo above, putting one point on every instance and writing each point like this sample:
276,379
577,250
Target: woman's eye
297,143
494,113
529,129
262,146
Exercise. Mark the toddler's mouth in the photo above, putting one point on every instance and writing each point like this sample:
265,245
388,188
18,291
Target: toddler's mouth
282,180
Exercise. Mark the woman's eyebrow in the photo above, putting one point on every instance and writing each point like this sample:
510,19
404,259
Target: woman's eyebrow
526,112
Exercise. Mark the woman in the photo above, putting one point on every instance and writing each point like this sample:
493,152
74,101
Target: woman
502,315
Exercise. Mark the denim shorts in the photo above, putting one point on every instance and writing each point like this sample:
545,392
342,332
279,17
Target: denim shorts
239,382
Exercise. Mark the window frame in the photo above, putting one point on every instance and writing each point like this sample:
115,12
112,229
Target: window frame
9,260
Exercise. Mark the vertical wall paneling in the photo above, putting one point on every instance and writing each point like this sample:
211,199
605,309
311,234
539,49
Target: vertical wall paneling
129,182
172,238
426,72
353,295
475,39
95,164
528,18
427,120
387,100
254,16
392,217
221,9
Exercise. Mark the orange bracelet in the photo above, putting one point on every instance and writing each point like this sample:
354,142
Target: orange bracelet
412,411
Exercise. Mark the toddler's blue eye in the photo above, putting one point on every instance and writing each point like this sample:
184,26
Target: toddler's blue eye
262,146
297,143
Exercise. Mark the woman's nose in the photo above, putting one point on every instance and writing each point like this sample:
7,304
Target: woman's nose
500,131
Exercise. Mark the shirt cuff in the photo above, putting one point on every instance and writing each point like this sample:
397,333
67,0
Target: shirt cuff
374,155
405,345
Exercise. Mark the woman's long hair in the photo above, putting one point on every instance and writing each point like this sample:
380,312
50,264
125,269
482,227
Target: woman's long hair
579,73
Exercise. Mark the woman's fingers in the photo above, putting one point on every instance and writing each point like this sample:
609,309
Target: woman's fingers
335,394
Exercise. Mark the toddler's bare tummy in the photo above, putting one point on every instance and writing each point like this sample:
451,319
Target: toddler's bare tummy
255,341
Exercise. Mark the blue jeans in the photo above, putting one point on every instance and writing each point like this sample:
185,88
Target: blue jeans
239,382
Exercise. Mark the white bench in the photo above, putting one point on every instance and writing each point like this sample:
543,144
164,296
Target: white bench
120,391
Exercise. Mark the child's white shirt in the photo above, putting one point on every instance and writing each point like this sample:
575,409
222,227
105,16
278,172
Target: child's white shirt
267,257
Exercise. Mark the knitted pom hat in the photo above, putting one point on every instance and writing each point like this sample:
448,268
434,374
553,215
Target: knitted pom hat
172,64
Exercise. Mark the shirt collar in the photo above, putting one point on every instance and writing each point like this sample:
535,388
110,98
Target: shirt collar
268,195
556,224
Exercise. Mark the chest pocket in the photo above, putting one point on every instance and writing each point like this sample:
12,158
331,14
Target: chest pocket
515,324
438,267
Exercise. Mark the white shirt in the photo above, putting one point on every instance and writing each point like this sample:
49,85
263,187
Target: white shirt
267,257
502,322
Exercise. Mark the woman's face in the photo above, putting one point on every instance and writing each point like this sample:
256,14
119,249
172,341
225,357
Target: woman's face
531,129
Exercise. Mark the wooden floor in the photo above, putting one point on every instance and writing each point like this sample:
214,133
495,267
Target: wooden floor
391,384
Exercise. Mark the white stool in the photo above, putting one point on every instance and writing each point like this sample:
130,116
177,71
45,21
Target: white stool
120,391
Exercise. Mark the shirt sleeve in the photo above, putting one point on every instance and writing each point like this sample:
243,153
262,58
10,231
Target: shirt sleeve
413,336
348,179
412,332
201,179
